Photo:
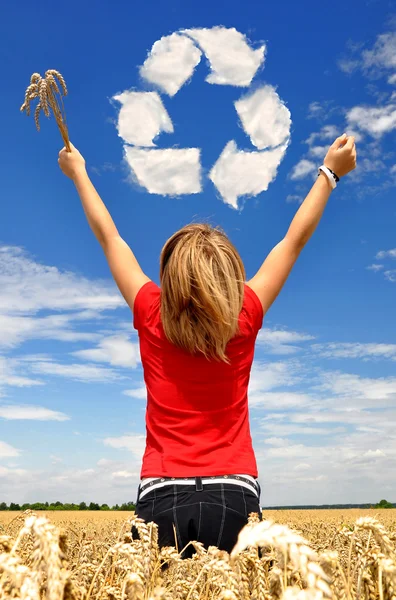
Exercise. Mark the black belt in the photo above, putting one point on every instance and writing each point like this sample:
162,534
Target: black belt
199,482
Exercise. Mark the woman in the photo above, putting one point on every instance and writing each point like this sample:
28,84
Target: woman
197,335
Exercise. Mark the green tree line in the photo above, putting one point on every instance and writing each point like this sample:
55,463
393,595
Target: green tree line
65,506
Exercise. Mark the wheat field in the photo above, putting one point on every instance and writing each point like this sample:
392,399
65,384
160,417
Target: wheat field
305,555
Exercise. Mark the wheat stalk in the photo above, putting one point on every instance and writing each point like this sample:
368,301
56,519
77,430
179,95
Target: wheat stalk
104,563
50,96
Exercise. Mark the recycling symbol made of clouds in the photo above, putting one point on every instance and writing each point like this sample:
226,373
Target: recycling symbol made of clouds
263,116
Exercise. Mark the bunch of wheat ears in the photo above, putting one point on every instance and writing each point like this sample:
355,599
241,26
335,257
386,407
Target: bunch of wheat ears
349,562
49,90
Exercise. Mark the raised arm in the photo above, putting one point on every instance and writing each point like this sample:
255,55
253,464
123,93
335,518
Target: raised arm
124,267
270,278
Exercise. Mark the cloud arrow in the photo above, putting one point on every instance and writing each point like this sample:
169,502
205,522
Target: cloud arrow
232,60
239,173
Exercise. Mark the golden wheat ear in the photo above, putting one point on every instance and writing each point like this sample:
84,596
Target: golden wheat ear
50,91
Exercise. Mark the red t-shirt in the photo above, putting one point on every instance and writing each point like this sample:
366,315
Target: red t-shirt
197,416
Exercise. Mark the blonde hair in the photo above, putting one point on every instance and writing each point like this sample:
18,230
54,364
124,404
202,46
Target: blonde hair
202,289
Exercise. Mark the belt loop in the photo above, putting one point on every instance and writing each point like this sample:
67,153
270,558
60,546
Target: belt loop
198,484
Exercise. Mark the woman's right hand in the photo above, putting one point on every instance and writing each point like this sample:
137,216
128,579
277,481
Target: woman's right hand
341,157
72,163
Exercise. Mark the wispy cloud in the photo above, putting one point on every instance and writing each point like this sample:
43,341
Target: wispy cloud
78,372
168,172
327,132
375,267
266,376
231,58
15,412
142,118
294,198
374,120
386,254
303,168
14,330
279,341
140,393
116,350
375,61
361,391
134,443
10,376
390,275
8,451
356,350
171,62
27,286
279,400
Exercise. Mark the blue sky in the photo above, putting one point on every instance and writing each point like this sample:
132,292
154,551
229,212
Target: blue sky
323,391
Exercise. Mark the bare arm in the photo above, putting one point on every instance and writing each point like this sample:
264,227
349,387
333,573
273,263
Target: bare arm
124,267
273,273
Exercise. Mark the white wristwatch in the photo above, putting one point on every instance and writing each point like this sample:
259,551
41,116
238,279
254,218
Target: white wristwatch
332,177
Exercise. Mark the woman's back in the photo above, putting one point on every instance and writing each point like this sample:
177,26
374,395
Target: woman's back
197,409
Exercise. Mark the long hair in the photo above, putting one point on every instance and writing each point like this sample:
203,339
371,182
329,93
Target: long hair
202,287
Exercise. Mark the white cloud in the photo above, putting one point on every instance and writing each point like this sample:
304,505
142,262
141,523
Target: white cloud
275,441
142,117
314,109
302,467
278,400
7,451
302,169
140,393
392,79
239,173
357,350
11,474
264,117
390,275
170,172
348,65
125,474
374,453
116,350
296,450
386,254
78,372
373,119
361,391
267,376
294,198
383,53
232,60
30,412
277,341
10,377
134,443
27,286
375,61
318,151
171,62
328,132
15,329
375,267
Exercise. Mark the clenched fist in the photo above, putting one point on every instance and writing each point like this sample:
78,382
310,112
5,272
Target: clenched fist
72,163
341,157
